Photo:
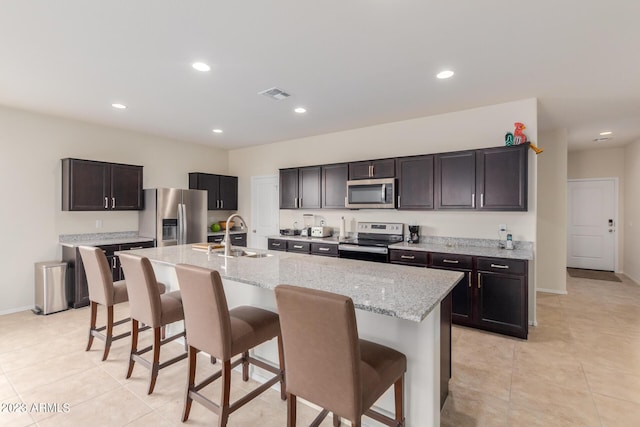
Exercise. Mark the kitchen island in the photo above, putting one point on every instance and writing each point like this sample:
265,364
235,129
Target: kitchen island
397,306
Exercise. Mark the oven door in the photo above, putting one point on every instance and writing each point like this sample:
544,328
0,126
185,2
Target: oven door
371,193
364,253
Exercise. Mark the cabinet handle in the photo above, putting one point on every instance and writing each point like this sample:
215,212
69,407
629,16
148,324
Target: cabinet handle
451,261
373,171
469,279
324,249
398,201
113,203
217,204
136,247
275,244
300,202
295,202
473,200
221,204
482,200
237,238
345,202
113,262
407,256
297,246
479,280
106,203
499,266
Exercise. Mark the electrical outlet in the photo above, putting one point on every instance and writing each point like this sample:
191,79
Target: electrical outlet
98,223
502,227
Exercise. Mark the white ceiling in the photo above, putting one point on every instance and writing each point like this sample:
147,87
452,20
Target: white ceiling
351,63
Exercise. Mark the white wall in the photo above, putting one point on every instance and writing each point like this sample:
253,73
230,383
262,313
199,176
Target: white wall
632,211
469,129
551,240
603,163
30,175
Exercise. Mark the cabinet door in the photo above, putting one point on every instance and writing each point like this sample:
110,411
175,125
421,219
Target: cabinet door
289,188
334,185
208,182
501,180
126,187
455,180
385,168
415,182
309,188
462,300
360,170
85,185
502,303
229,192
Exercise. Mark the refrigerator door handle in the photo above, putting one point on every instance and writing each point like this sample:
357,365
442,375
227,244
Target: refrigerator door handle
179,223
185,223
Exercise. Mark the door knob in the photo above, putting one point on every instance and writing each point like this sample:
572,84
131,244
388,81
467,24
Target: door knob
253,231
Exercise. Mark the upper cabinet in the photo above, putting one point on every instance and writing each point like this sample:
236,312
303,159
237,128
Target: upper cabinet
491,179
501,178
300,188
415,182
89,185
334,185
222,190
385,168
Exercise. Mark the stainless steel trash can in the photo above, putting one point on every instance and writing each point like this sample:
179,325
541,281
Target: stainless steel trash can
50,279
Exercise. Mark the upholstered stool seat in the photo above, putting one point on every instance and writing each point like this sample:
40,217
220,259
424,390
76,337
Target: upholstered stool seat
223,334
328,365
149,307
103,291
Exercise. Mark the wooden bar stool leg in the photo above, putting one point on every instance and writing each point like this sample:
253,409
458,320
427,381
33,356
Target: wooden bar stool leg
226,391
398,388
155,364
191,380
109,333
283,388
134,345
92,323
291,410
245,366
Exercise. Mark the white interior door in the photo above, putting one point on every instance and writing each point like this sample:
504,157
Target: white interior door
591,224
265,210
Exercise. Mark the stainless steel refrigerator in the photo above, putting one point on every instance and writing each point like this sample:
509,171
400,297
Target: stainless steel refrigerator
173,216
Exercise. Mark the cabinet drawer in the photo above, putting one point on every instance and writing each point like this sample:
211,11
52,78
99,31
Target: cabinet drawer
277,245
303,247
409,257
324,249
138,245
215,239
502,265
452,261
239,239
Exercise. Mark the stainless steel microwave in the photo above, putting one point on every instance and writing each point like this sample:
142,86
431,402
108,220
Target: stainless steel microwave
371,194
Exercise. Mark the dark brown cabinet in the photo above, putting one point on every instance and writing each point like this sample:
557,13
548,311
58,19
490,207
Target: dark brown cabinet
462,294
501,178
415,182
417,258
277,244
300,247
89,185
324,249
300,188
222,190
370,169
455,180
237,239
77,287
334,185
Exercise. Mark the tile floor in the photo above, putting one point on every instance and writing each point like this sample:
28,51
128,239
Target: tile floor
579,367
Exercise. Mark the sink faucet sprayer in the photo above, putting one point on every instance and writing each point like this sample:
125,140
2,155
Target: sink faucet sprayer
227,240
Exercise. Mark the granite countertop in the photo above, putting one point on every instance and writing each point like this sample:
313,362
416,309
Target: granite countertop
474,247
331,239
399,291
101,239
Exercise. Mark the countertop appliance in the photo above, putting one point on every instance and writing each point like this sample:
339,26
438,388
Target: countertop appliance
321,231
414,234
174,216
372,241
371,194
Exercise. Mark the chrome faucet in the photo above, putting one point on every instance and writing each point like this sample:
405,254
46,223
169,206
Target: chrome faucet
227,240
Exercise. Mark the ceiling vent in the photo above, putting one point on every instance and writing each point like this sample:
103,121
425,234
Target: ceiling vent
275,93
602,139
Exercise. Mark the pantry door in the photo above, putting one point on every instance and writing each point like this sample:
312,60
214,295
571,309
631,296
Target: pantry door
265,210
591,223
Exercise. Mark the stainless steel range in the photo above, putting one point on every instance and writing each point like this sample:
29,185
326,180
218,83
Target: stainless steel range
372,241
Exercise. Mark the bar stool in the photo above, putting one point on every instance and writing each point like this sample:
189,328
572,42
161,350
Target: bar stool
223,334
151,308
328,365
103,291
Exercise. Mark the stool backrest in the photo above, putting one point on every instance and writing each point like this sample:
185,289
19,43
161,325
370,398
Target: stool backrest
206,313
321,348
99,276
142,287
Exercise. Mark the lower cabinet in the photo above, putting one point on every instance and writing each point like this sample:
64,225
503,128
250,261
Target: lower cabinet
462,294
324,249
237,239
277,244
302,247
77,287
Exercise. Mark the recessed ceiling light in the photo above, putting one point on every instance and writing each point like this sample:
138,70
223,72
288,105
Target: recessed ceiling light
300,110
444,74
217,131
201,66
606,133
119,106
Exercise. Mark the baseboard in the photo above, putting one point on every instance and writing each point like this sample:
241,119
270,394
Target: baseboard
15,310
551,291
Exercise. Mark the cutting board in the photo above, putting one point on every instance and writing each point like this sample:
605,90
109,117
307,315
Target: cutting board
204,246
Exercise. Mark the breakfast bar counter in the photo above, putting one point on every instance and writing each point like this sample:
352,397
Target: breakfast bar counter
396,306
